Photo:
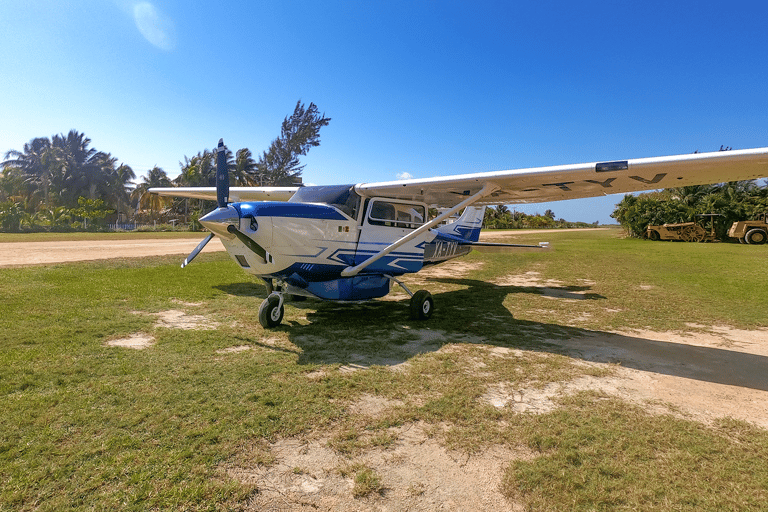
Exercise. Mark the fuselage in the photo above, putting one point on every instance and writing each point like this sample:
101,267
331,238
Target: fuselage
308,241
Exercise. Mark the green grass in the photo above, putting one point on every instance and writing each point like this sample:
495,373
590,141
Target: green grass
366,480
86,426
598,453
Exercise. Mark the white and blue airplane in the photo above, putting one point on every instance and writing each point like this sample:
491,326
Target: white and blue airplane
351,242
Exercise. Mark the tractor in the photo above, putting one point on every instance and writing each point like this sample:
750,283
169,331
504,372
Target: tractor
750,231
685,231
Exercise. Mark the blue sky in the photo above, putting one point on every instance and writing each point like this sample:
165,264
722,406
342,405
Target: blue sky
420,87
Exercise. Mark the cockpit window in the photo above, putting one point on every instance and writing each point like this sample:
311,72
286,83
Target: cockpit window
342,197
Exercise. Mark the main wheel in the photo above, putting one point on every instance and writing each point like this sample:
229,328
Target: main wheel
422,305
271,312
756,236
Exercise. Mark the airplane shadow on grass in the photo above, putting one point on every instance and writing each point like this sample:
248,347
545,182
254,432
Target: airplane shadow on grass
381,333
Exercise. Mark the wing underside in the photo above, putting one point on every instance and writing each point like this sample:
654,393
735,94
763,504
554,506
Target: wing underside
539,184
236,194
580,180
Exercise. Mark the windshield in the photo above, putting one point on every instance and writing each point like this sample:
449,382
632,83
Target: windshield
342,197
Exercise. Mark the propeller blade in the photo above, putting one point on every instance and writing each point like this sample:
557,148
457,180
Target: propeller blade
197,250
248,242
222,175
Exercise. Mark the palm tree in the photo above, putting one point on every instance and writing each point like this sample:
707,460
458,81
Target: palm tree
244,172
690,195
198,171
85,167
156,177
39,163
120,181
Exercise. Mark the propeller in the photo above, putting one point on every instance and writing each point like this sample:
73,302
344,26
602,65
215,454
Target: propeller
197,250
222,175
222,195
221,216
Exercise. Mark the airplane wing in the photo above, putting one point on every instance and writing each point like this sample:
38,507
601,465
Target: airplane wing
580,180
236,194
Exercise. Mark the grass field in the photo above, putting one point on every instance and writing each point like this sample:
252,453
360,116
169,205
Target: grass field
88,426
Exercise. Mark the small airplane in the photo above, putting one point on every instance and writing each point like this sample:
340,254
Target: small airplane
349,243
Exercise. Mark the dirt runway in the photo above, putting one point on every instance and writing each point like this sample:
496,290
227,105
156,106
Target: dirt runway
41,253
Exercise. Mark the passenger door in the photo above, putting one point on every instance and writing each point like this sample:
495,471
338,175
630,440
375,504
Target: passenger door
386,221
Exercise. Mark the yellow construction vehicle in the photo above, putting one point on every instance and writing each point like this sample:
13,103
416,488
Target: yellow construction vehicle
750,231
685,231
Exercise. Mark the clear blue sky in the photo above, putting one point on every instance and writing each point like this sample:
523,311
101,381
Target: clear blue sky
419,87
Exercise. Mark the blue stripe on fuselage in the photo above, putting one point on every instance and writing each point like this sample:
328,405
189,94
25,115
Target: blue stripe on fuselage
294,210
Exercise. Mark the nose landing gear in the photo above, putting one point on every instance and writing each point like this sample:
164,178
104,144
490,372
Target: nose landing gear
271,311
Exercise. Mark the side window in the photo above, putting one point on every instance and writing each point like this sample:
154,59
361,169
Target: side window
382,214
409,216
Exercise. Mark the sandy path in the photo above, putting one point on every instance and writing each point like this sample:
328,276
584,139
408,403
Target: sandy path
487,235
40,253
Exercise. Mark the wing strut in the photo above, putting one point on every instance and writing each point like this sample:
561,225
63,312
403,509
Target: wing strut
487,189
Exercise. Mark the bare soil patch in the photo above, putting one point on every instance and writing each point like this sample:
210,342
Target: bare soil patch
417,474
171,319
138,341
176,319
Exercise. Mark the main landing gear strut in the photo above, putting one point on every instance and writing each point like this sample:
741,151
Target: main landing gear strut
272,309
422,305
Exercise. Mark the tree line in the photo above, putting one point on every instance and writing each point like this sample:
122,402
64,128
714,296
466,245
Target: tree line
62,182
734,201
501,217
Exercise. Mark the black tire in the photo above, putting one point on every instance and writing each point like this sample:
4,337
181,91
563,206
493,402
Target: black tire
271,312
654,235
422,305
756,236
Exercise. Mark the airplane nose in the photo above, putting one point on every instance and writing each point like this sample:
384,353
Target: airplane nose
220,219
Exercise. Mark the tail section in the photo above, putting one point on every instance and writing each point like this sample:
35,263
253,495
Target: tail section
467,227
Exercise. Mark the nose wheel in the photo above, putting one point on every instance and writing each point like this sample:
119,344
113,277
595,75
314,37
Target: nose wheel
271,311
